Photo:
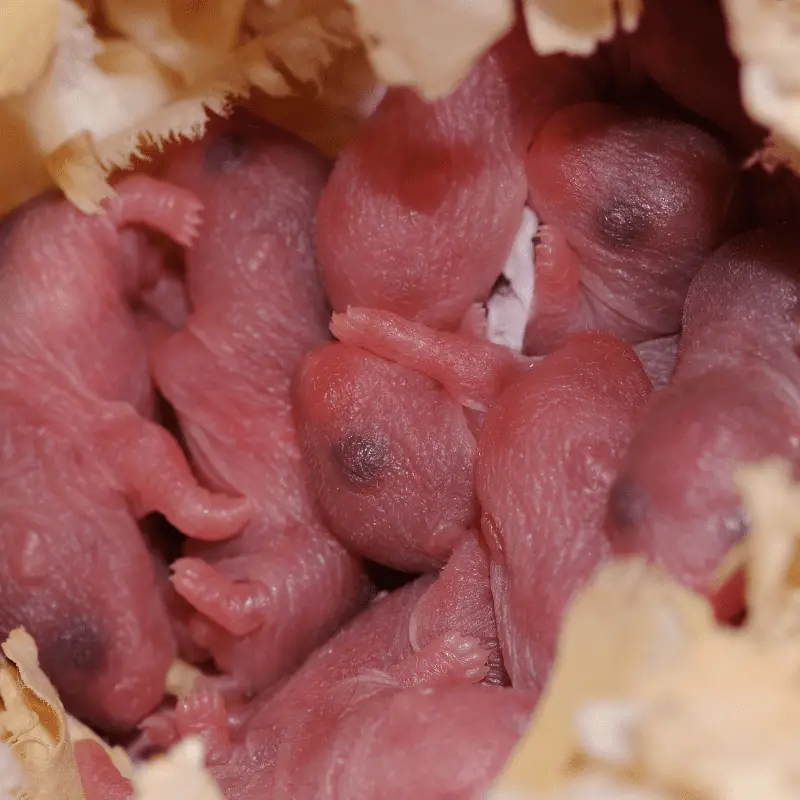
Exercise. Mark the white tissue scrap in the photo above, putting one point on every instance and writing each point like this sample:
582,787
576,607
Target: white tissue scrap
509,308
12,780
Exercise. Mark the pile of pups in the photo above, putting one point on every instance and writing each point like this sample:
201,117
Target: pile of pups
208,408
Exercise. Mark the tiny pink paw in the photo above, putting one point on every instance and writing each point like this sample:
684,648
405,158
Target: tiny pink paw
451,658
203,714
239,607
464,656
193,218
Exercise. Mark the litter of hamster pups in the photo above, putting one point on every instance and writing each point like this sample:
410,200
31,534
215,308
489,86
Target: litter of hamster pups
399,401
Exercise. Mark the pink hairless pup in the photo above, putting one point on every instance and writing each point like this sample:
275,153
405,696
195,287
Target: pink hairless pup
422,208
391,489
257,309
81,463
548,450
405,739
629,206
734,399
415,654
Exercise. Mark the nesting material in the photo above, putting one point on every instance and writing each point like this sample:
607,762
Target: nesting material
37,738
89,104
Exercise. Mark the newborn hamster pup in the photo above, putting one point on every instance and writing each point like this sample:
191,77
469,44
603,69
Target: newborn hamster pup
630,205
547,456
422,208
257,309
79,462
734,399
390,455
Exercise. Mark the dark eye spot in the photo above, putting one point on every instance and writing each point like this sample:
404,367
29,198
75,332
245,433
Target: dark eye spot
226,152
81,647
361,459
627,505
622,223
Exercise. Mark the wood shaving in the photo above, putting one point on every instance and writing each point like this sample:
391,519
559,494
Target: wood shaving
508,310
629,618
96,104
773,555
181,678
34,725
431,46
765,34
183,35
775,154
180,775
734,560
578,26
12,780
27,38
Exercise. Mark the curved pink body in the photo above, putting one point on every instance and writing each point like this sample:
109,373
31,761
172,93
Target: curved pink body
734,399
461,600
630,206
421,210
376,639
257,309
548,448
435,632
548,453
80,463
444,743
390,455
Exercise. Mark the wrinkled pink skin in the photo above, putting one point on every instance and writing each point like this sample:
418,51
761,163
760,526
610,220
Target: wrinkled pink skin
694,64
432,632
165,546
547,456
403,743
573,411
630,206
257,309
461,599
161,302
733,400
376,639
473,371
73,388
421,210
390,490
